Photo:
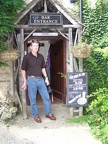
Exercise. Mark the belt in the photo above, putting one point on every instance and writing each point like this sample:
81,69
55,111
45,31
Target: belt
35,76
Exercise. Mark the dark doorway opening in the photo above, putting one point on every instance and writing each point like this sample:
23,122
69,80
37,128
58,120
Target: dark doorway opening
57,66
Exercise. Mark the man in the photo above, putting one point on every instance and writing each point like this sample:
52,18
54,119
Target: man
33,68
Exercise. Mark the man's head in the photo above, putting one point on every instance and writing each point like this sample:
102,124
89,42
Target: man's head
34,45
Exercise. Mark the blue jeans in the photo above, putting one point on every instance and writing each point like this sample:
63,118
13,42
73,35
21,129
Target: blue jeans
35,84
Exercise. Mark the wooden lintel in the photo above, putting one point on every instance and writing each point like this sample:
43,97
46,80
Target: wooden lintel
49,27
34,27
72,26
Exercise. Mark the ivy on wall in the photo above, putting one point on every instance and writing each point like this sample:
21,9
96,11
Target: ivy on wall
97,67
95,20
96,31
96,23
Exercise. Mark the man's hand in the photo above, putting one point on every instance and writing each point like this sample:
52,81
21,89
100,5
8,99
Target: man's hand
47,81
24,86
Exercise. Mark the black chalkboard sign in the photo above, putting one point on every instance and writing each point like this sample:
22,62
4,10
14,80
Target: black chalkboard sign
77,89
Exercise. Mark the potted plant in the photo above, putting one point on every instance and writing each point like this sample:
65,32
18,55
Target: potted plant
8,53
82,50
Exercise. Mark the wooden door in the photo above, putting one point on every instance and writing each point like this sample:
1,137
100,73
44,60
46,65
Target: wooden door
58,65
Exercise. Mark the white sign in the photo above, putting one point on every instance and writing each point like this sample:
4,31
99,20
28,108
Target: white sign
45,34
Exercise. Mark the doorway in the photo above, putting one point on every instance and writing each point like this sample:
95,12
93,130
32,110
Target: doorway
57,49
58,65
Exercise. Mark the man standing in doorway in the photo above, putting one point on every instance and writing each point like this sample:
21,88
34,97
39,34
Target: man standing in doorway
33,68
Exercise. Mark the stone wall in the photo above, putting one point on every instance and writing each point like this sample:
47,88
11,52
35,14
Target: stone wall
7,109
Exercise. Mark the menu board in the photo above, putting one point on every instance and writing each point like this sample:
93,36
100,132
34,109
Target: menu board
77,89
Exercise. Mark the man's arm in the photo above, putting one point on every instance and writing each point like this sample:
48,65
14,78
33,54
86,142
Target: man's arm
24,79
45,76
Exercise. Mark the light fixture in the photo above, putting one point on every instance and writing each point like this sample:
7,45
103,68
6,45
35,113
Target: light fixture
72,1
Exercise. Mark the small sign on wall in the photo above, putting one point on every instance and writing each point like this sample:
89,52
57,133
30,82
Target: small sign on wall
42,19
77,89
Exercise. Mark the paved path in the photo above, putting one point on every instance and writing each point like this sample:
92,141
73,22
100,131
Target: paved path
48,132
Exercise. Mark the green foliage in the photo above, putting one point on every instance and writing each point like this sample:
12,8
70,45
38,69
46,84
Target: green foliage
98,107
97,67
8,12
98,111
96,115
8,15
2,64
96,22
62,75
101,133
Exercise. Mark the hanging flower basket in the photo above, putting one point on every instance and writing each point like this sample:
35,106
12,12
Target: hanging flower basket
82,50
9,55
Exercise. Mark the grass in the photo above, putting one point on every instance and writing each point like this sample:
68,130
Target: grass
78,120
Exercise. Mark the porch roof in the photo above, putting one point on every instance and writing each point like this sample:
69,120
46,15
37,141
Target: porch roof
52,6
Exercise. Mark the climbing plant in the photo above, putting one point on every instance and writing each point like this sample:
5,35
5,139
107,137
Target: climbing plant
96,23
97,67
8,12
96,32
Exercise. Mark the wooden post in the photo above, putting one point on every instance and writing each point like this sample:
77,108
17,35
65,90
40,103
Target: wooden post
71,62
12,76
81,111
70,47
12,81
78,33
71,112
80,69
23,97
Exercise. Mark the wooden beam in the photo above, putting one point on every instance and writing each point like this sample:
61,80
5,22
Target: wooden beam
70,46
12,81
30,34
62,34
74,59
72,26
76,37
23,97
75,65
47,27
66,14
80,68
29,7
45,6
22,43
80,59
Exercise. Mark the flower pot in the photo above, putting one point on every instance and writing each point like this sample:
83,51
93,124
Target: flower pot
82,50
81,53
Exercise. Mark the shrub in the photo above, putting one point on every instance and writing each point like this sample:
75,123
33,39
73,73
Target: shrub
97,67
98,107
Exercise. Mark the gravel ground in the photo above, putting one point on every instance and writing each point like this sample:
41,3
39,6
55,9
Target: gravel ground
19,131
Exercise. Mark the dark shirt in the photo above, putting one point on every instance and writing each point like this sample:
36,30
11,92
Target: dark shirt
33,65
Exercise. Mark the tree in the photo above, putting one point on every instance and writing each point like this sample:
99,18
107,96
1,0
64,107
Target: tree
8,13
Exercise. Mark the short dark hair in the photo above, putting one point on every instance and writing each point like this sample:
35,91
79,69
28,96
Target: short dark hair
34,41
